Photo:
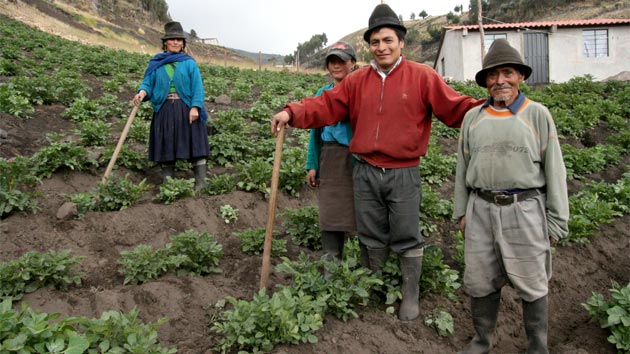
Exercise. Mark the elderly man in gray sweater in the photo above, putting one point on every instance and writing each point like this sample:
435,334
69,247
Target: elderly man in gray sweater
510,199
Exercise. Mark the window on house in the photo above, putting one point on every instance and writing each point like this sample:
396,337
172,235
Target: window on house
595,43
489,38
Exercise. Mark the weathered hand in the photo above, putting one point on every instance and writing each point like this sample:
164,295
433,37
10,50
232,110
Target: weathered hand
462,224
311,178
139,97
193,115
278,120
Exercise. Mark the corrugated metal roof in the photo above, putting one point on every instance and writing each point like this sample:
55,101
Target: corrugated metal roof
570,23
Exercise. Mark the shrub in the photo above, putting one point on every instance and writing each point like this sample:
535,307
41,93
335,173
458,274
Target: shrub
302,225
228,213
93,132
253,242
258,325
58,154
176,188
441,321
255,176
292,170
16,175
613,314
220,184
118,193
127,157
346,287
35,270
188,252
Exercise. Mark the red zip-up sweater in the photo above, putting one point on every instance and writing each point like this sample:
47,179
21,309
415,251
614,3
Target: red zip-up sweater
391,116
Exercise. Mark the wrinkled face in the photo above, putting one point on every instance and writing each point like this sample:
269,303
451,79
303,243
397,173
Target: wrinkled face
338,68
385,47
503,83
174,45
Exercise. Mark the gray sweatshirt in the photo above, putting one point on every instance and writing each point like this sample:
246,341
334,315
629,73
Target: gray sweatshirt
513,148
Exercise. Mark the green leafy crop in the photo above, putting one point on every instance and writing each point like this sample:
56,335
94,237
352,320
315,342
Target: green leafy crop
613,314
258,325
36,270
253,242
176,188
188,252
302,225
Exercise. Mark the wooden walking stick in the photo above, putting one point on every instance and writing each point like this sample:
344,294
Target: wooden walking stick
266,259
121,141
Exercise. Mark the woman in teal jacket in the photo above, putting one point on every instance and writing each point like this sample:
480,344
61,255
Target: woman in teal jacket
329,162
173,83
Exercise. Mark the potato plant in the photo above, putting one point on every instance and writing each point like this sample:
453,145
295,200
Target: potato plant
189,252
176,188
36,270
253,242
256,326
613,314
302,224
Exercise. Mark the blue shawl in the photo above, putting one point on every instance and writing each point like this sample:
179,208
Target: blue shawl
164,58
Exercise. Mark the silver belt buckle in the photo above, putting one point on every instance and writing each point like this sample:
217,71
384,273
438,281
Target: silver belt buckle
502,199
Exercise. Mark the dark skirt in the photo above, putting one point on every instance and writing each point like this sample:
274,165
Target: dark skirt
172,137
336,197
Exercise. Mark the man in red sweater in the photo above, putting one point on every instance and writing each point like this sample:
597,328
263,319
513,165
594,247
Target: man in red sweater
389,105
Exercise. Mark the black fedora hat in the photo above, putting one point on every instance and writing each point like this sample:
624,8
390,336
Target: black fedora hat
383,16
173,30
500,54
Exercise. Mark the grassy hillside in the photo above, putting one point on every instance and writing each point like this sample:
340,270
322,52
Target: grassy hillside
125,25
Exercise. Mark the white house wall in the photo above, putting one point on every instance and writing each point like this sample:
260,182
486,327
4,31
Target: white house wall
566,59
462,54
452,66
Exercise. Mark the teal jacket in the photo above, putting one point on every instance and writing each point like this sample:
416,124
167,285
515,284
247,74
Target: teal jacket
187,81
315,142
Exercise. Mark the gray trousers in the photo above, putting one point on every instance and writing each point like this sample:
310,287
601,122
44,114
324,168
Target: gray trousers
505,244
387,207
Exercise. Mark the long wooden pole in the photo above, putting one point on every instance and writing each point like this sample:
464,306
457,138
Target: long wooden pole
481,32
121,141
275,176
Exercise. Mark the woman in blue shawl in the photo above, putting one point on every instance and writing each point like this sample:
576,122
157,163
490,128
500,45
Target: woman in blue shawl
172,82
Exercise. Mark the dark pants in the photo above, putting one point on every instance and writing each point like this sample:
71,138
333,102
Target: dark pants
387,206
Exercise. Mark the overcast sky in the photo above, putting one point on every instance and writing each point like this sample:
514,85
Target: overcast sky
278,26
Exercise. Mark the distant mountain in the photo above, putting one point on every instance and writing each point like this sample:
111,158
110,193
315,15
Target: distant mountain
264,58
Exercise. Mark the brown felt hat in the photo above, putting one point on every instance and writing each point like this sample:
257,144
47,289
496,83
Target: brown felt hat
173,30
501,54
383,16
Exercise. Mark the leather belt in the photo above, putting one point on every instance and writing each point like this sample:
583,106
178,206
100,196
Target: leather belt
362,161
172,96
502,198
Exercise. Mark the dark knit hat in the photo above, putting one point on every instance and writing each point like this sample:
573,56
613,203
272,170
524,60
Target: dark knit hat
173,30
383,16
500,54
342,50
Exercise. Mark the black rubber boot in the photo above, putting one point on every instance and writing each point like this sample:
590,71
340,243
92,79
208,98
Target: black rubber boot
485,311
364,257
332,244
168,170
411,268
535,317
377,257
200,174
